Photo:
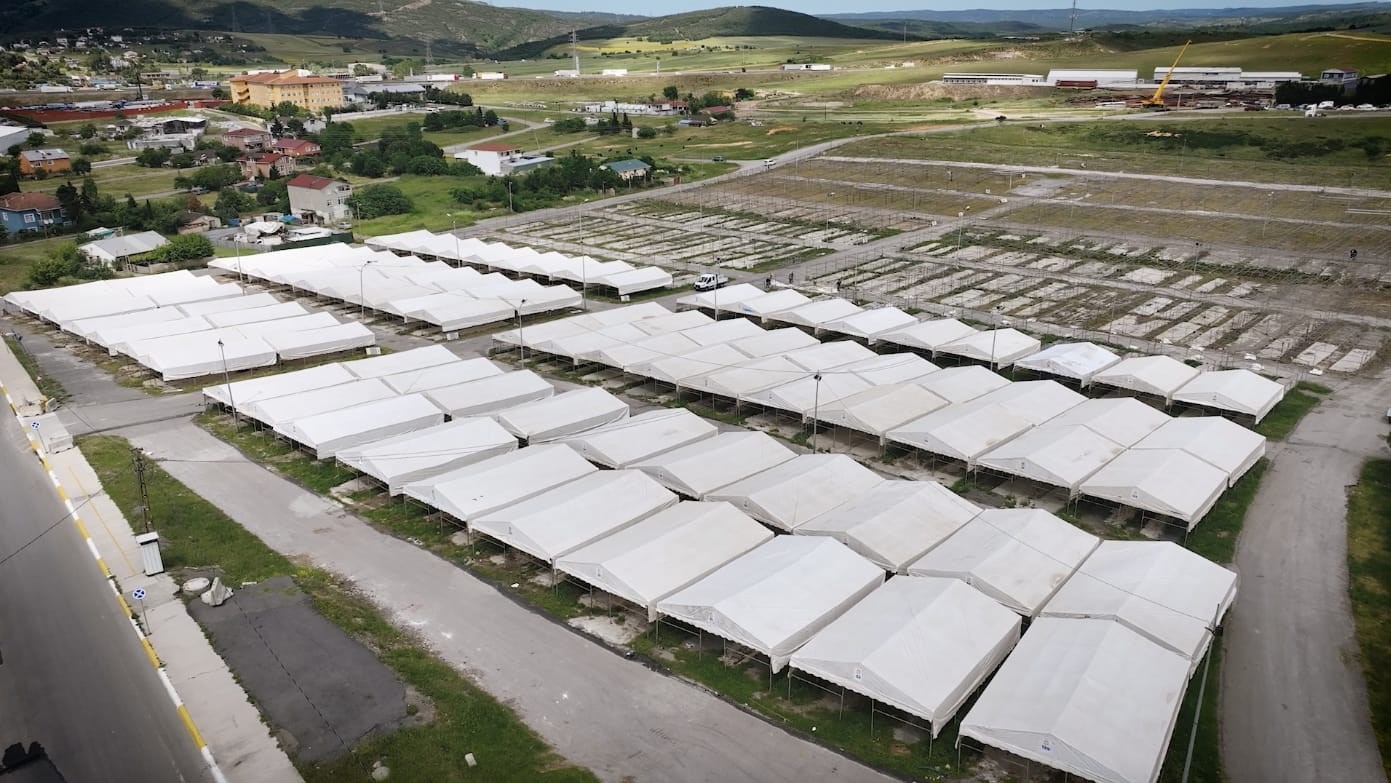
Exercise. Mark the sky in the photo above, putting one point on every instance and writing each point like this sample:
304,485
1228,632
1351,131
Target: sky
648,8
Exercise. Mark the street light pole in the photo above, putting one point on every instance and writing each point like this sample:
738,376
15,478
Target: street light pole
227,379
241,278
994,335
521,338
454,223
960,226
361,293
815,411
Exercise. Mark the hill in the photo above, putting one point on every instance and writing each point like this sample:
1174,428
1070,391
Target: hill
1093,18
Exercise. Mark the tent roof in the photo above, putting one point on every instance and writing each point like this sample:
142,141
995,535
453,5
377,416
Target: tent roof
894,522
774,598
1239,391
417,455
706,465
1213,439
330,431
256,314
964,431
673,322
871,323
725,331
678,369
805,395
1166,481
87,328
884,369
1124,420
1000,347
1078,361
483,487
645,350
748,377
588,340
878,409
176,360
624,442
246,392
665,552
819,311
1019,556
442,375
318,342
725,297
769,303
578,512
631,281
929,335
243,302
1035,401
799,489
774,341
919,644
564,414
1068,697
394,363
961,384
828,355
1157,588
1062,455
1157,375
491,394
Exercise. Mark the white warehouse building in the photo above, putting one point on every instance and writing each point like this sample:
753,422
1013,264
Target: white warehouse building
1103,77
1226,76
996,79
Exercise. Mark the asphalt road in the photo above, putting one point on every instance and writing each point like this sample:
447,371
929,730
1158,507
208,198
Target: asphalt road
1294,703
73,677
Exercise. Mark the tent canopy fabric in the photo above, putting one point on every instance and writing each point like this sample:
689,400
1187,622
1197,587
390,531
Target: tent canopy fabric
564,414
441,375
491,394
274,411
769,303
246,392
483,487
895,522
962,384
929,335
1170,482
1124,420
404,361
818,312
795,491
722,298
183,359
919,644
1213,439
318,342
705,466
751,376
631,440
400,460
1078,361
331,432
1239,391
1036,402
578,512
1059,455
1160,376
774,598
828,355
677,370
878,409
869,324
1157,588
884,369
1070,697
806,395
963,431
1019,557
774,342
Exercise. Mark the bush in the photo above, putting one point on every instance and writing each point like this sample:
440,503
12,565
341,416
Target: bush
185,247
378,200
81,166
152,158
647,133
91,148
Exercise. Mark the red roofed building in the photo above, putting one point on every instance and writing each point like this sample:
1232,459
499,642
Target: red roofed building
319,199
30,212
491,157
247,139
296,148
261,164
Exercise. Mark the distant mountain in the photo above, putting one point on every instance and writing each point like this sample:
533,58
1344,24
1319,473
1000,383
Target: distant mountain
1059,18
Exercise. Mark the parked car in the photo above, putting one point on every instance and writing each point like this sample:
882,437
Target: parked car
710,281
718,159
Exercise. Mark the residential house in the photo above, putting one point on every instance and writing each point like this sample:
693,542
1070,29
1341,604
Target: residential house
31,162
30,212
300,87
197,222
296,148
248,139
491,156
629,170
123,250
266,165
319,199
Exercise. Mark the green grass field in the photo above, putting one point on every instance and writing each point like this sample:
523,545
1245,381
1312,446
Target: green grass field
732,140
15,260
1215,537
1369,572
116,181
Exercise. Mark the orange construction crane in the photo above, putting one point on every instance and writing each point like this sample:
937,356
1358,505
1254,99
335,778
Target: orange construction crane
1156,101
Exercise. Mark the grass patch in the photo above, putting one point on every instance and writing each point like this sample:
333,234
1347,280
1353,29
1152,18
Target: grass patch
277,454
48,386
1281,421
1369,586
1207,745
1216,537
196,533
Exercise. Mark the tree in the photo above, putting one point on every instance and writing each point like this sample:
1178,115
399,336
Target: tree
87,131
295,126
335,138
276,129
287,109
670,92
14,150
81,166
743,94
427,165
185,247
183,160
71,201
219,94
490,118
231,203
153,158
647,133
36,140
368,164
91,148
378,200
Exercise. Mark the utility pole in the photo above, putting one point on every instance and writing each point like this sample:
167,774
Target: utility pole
1072,21
234,18
144,489
575,50
429,57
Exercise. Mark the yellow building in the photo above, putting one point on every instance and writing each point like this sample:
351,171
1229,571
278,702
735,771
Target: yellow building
312,93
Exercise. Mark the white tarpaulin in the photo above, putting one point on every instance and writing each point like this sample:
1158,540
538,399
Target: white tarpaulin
483,487
818,312
721,298
1124,420
928,335
441,375
753,375
634,280
244,393
331,432
1157,375
564,414
918,644
1166,481
707,465
1213,439
828,355
895,522
999,347
1078,361
488,395
677,370
1034,401
774,598
806,395
1089,697
273,411
665,552
962,384
119,338
576,513
725,331
228,304
963,431
624,442
88,328
1157,588
870,324
800,489
256,314
1062,455
317,342
770,303
879,409
1238,391
394,363
418,455
1017,556
195,355
649,349
774,342
884,369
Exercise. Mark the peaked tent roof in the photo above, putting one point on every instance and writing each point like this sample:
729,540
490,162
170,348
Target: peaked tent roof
871,323
895,522
963,431
709,464
1157,375
1062,455
1166,481
818,312
962,384
564,414
878,409
1238,391
1079,361
417,455
1213,439
800,489
1124,420
482,487
624,442
491,394
929,335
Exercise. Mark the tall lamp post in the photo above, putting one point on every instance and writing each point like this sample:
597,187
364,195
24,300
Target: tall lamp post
960,227
995,335
454,229
227,379
241,278
815,411
361,293
521,338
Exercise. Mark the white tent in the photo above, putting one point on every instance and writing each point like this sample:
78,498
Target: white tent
774,342
1157,588
256,314
1060,455
404,361
465,313
725,331
120,339
88,328
721,298
483,487
895,522
273,411
1089,697
870,324
807,394
742,380
624,442
804,487
828,355
999,347
244,302
776,597
1157,375
441,375
1238,391
818,312
928,335
769,303
331,432
1166,481
918,644
564,414
418,455
707,465
881,408
1035,401
572,346
677,370
962,384
673,322
640,353
884,369
1124,420
1018,556
963,431
195,355
244,393
1213,439
665,552
579,512
634,280
317,342
491,394
1078,361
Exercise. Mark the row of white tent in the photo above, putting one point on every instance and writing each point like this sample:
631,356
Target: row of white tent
921,642
1115,449
185,326
404,286
622,277
1236,391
